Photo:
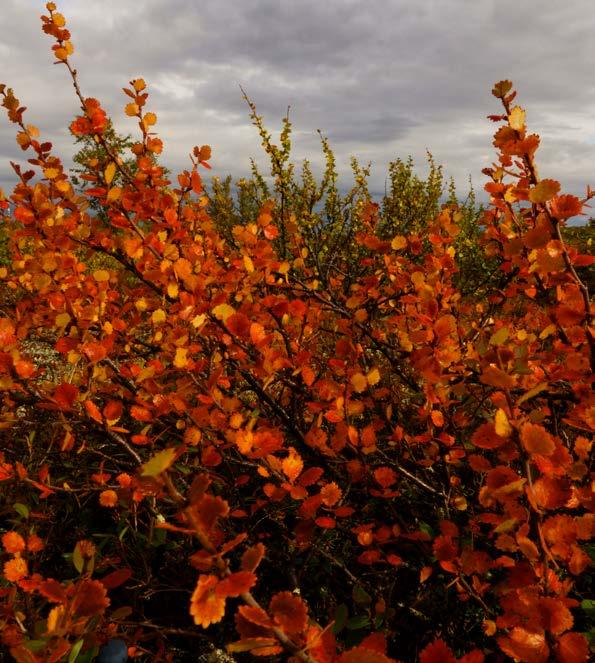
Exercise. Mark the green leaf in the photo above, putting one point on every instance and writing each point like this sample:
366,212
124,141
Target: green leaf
121,613
77,560
35,645
341,615
159,463
21,509
357,622
88,656
424,527
360,595
74,652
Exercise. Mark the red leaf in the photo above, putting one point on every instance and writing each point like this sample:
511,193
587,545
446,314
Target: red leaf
90,598
53,591
65,395
437,652
116,578
252,557
572,648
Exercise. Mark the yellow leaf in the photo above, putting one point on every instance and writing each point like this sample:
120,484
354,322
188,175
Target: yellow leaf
159,463
150,119
532,392
62,319
489,627
373,377
131,109
172,290
110,171
54,618
503,427
292,465
223,311
181,359
51,173
114,194
544,191
548,331
138,84
101,275
499,337
248,264
516,119
510,195
199,320
158,316
399,242
359,382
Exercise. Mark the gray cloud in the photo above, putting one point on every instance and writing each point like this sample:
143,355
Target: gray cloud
382,79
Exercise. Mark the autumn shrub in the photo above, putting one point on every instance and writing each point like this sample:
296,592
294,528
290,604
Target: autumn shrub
322,455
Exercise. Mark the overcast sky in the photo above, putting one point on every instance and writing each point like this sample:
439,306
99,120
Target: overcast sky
381,79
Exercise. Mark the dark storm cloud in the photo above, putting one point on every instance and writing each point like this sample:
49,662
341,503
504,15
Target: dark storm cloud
382,79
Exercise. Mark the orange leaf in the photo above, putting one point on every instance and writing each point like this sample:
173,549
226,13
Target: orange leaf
537,440
236,584
252,557
108,498
359,382
425,573
289,611
205,606
140,413
496,377
15,569
93,411
485,437
256,615
564,207
331,494
13,542
256,646
524,645
209,509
